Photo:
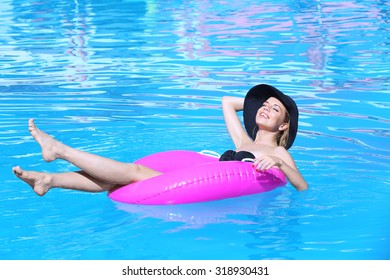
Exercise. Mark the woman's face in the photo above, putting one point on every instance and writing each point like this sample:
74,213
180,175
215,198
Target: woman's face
271,115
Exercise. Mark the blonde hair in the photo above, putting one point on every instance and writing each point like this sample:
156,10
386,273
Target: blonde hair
282,137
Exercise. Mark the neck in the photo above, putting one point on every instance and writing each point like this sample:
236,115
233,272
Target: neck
264,137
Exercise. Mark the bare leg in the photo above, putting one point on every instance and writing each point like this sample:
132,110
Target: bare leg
42,182
103,169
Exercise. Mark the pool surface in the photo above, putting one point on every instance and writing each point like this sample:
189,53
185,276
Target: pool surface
125,79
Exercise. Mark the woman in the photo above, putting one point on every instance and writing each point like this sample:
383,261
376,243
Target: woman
271,122
270,117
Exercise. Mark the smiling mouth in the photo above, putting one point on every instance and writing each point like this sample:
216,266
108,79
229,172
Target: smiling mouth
264,115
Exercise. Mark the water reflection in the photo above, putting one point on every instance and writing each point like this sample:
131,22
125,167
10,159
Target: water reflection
215,212
93,44
268,219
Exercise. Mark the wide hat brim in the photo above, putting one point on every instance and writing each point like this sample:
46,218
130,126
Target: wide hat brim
255,98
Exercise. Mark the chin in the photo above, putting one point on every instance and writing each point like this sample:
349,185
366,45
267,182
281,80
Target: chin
260,120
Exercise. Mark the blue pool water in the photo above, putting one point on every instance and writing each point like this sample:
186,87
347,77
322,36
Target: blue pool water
125,79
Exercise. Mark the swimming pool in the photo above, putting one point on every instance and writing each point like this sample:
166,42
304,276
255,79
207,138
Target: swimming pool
125,79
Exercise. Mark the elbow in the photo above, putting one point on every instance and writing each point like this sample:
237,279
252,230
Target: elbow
226,99
231,102
302,187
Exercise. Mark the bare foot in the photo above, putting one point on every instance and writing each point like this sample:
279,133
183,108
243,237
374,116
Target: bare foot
39,181
51,148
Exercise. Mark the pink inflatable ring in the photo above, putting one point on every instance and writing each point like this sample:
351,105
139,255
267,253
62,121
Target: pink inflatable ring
190,177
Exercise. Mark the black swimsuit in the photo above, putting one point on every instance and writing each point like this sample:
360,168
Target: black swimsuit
231,155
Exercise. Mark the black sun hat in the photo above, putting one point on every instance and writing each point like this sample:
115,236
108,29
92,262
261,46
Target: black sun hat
255,98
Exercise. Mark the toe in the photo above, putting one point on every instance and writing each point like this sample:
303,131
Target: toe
16,170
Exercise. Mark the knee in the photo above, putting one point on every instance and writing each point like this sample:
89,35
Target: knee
134,173
140,172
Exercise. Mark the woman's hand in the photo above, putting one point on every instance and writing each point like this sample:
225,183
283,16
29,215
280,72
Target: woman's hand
267,162
293,175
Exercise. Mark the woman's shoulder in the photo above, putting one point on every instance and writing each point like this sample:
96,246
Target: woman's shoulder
281,152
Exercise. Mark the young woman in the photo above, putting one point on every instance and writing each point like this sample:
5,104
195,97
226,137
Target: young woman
270,118
271,123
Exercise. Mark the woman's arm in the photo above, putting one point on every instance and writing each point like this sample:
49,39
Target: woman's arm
286,164
230,106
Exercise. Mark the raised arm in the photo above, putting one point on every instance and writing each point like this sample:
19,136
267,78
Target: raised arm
231,105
